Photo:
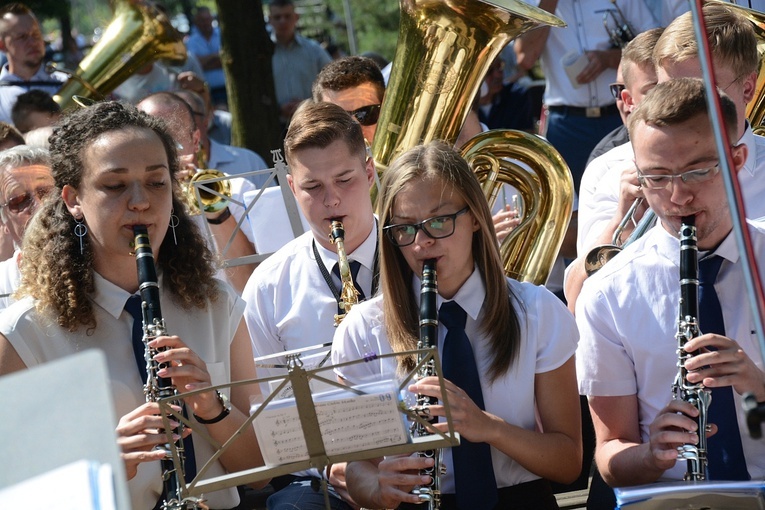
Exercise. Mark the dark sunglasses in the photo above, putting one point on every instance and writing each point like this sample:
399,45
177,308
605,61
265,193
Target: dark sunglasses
366,115
21,203
616,90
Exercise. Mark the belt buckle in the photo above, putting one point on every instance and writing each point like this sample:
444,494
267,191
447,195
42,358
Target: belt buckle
592,112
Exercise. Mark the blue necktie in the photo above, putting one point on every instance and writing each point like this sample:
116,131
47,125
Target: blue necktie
725,455
355,265
474,481
133,307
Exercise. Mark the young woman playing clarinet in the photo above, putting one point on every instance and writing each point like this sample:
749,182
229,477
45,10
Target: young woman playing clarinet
506,347
114,171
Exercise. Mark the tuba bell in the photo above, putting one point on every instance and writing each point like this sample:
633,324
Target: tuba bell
444,50
547,192
138,34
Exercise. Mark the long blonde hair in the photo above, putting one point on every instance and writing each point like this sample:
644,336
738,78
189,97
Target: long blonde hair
500,321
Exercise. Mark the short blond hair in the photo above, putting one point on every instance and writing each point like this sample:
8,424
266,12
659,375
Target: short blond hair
680,100
639,52
731,40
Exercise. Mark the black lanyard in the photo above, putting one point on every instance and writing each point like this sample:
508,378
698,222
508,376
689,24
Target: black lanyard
331,284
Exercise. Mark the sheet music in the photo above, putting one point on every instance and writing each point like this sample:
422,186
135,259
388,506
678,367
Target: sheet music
348,423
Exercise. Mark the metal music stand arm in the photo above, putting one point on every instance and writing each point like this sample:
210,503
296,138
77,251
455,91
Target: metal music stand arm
299,378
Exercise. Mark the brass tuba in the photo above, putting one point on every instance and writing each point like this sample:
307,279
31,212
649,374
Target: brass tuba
444,50
547,191
138,34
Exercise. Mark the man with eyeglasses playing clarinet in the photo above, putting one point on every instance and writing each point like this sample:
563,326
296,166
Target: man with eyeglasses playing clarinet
25,180
627,313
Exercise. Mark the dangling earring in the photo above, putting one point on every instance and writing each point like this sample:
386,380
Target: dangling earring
80,230
174,222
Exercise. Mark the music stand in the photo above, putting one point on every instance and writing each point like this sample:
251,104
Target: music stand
318,457
279,174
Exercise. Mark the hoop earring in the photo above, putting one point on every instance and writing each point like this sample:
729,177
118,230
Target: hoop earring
80,230
174,222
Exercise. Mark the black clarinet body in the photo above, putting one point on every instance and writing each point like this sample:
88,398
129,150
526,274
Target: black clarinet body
430,494
688,329
157,387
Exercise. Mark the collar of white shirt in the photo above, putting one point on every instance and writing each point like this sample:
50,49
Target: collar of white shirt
365,253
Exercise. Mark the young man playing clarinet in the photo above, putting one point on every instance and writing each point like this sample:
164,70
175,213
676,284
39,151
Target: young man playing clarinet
627,312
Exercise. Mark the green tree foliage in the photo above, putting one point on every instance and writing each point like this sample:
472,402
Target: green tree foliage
246,55
375,24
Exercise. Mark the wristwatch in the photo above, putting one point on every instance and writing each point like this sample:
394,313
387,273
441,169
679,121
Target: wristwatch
223,399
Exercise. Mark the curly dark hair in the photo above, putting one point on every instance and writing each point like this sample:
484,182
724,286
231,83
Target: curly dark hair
56,274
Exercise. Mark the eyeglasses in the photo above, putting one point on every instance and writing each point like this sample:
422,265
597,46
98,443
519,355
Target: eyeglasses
616,90
21,203
691,177
366,115
436,227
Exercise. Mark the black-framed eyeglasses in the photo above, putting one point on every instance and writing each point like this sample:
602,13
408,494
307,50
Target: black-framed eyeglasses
21,203
691,177
437,227
366,115
616,90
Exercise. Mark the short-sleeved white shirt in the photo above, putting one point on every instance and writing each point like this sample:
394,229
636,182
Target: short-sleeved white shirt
38,339
548,340
627,317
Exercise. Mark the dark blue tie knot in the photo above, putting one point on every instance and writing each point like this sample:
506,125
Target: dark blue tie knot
709,267
133,307
452,315
355,265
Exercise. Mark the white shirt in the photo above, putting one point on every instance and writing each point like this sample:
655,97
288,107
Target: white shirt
627,314
585,32
37,340
10,278
599,192
548,340
237,160
9,93
290,305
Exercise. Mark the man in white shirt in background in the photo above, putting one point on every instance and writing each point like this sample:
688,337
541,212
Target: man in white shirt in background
22,42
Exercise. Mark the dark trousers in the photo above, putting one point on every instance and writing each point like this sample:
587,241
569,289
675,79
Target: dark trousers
535,495
601,496
304,493
574,136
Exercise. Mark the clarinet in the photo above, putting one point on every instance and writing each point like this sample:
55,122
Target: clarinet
687,329
157,387
431,493
349,296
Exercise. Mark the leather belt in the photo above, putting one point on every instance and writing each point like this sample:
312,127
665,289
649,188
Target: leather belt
579,111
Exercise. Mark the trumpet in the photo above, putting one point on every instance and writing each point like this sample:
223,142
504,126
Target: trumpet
349,296
599,256
621,32
214,196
